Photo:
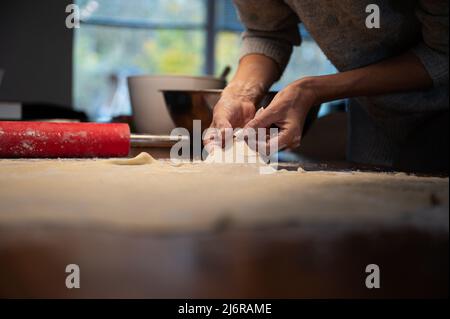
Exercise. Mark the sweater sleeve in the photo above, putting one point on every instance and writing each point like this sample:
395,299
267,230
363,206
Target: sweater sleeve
271,29
433,50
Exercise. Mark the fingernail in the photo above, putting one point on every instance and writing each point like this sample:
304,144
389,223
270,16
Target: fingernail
259,111
239,135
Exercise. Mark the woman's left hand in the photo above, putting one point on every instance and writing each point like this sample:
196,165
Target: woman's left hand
288,112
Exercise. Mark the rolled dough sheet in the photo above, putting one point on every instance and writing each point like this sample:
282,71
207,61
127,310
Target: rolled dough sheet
200,196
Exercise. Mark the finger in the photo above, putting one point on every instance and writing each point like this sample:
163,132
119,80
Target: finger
259,111
210,148
216,133
221,123
263,119
211,137
289,138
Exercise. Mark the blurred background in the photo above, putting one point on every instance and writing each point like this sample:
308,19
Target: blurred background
87,67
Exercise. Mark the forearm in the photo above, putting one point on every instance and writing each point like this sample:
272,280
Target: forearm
255,75
399,74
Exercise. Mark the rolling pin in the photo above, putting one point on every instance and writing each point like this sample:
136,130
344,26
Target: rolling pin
74,140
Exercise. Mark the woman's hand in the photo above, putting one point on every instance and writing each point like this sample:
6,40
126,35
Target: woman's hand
236,106
289,108
288,112
235,109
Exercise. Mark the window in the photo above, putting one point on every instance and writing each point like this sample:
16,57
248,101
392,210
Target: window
120,38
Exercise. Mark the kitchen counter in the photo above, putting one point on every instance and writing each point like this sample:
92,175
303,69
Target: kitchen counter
196,231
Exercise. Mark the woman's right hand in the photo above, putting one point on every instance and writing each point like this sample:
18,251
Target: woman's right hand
235,109
236,106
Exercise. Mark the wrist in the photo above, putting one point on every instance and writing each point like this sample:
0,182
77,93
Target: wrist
309,89
247,91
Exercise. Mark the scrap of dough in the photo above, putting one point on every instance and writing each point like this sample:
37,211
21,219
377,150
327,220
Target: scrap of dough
239,153
142,159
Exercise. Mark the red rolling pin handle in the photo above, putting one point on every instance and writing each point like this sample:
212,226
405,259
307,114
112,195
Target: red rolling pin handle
63,140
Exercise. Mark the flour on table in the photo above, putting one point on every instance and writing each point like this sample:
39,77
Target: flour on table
197,196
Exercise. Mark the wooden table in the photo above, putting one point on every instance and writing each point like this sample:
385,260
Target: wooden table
286,262
282,261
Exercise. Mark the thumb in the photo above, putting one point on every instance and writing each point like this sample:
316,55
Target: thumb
262,119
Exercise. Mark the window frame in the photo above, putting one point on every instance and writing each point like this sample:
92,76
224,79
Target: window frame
209,27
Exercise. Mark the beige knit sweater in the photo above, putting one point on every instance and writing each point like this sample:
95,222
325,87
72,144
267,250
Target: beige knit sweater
382,127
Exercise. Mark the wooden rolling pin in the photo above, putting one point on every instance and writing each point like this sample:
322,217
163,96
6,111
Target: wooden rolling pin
74,140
